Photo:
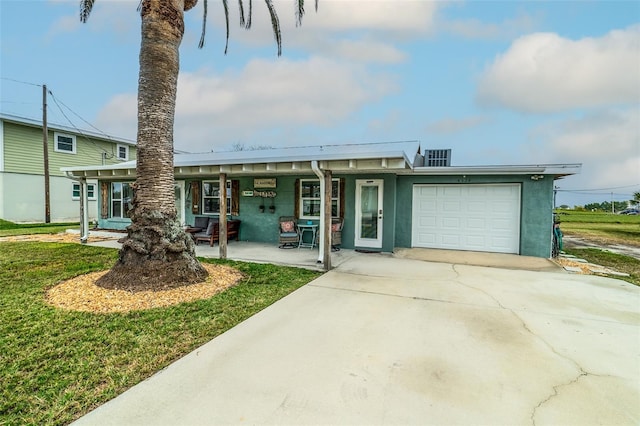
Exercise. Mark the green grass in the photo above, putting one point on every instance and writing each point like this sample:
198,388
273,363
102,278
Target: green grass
8,229
57,365
617,262
614,228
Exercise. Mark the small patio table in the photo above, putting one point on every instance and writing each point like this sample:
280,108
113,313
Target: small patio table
307,228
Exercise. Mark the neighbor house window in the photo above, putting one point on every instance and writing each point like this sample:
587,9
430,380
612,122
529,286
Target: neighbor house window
91,191
310,204
121,199
64,143
122,152
211,197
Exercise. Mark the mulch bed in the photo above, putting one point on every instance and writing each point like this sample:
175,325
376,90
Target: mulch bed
82,294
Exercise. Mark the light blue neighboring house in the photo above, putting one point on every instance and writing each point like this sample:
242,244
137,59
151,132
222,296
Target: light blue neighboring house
393,194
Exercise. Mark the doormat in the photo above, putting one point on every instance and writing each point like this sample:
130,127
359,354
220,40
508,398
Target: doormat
367,251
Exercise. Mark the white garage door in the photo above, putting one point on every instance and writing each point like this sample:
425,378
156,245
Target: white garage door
467,217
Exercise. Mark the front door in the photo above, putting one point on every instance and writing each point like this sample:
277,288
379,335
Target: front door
369,213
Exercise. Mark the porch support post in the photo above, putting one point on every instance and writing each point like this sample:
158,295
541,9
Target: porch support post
222,221
326,225
84,211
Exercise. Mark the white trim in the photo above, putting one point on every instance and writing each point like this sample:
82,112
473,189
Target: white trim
181,208
66,135
1,145
87,184
126,150
319,198
363,241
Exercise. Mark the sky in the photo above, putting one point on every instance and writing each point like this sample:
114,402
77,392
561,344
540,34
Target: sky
498,82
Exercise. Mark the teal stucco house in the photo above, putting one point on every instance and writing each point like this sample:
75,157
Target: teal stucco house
392,194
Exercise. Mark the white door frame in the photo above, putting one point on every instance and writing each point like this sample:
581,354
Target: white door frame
180,208
376,218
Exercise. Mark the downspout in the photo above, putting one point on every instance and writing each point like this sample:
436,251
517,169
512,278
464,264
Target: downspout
316,169
84,210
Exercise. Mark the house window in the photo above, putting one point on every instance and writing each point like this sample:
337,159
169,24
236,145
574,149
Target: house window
91,191
211,197
64,143
121,198
310,204
122,152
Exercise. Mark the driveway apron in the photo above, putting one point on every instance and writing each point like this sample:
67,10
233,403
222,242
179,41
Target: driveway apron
383,340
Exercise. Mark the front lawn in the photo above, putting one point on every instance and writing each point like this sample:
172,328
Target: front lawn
8,229
617,262
57,365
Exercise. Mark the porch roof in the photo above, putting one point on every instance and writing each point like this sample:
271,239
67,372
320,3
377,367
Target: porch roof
345,158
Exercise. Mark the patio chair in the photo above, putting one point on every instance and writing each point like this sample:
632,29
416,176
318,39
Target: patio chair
336,233
208,233
288,231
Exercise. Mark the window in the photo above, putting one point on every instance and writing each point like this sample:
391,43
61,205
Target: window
91,191
64,143
310,205
121,198
122,152
211,197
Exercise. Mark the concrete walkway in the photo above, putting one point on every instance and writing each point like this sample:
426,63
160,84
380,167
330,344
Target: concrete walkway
388,340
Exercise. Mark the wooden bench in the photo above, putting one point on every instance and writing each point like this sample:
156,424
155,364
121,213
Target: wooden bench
233,232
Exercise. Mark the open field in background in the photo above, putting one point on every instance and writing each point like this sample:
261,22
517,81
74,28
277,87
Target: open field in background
605,229
57,365
601,227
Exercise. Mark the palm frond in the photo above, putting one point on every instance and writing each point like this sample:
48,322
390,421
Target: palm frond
275,24
248,23
299,12
204,25
241,7
85,9
226,19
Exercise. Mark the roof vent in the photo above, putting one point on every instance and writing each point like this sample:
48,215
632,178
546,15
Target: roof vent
437,158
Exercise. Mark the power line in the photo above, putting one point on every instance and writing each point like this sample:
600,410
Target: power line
21,82
102,150
601,189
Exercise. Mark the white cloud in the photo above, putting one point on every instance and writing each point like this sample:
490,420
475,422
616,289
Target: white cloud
607,143
356,30
544,72
119,17
241,106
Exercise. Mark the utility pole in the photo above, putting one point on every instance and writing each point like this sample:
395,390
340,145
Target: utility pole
613,208
45,148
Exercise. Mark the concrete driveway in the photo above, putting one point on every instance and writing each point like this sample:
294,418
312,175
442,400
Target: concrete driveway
384,340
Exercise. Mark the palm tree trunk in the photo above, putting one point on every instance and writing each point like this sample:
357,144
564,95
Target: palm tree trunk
157,253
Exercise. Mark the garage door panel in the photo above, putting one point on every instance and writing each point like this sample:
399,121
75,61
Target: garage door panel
467,217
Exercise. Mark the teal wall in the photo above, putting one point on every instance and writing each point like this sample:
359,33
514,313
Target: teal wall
536,208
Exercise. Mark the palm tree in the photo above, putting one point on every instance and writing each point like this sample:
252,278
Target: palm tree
157,254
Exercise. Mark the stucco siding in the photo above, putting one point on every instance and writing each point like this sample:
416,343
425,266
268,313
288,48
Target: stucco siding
19,205
536,208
